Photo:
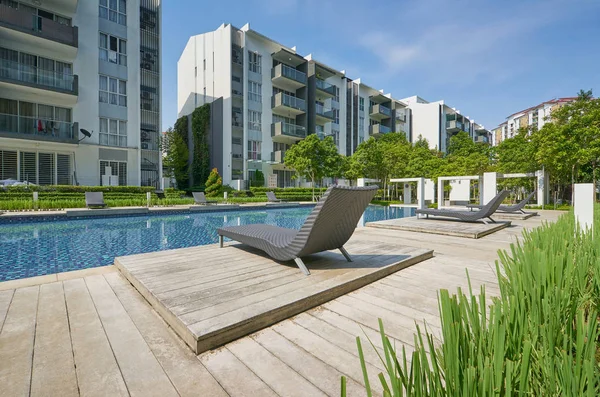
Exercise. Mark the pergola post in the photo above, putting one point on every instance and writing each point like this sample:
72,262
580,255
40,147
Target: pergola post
542,188
440,192
421,193
490,187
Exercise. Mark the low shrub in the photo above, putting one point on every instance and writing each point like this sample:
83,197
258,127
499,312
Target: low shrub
540,337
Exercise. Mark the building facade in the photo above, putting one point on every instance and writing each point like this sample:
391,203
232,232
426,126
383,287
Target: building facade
67,66
438,122
272,97
535,117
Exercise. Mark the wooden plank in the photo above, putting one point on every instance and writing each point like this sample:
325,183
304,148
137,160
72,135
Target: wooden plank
97,371
322,375
444,227
235,377
187,374
5,300
53,364
17,341
142,373
275,373
327,352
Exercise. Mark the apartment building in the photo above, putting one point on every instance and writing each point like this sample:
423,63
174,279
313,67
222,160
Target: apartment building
437,122
68,66
535,116
269,97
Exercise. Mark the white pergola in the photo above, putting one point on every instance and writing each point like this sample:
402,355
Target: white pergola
442,179
490,185
421,182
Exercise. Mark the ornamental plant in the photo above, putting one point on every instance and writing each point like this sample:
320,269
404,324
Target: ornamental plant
214,184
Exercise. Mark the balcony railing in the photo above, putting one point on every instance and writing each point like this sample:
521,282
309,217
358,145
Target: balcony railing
38,128
380,110
283,70
375,129
256,156
454,125
45,28
30,75
282,99
323,111
324,86
288,129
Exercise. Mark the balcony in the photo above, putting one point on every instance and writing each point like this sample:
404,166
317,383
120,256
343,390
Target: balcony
31,76
237,94
323,115
454,126
287,77
400,116
481,139
287,132
288,105
379,129
278,156
25,22
325,89
19,127
380,112
237,55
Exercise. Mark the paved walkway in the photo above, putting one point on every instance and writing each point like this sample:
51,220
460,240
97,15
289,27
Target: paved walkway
96,335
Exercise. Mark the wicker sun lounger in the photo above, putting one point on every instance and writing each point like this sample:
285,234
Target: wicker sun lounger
94,199
470,216
200,198
329,226
272,198
509,208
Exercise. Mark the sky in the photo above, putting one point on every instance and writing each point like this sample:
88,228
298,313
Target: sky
488,59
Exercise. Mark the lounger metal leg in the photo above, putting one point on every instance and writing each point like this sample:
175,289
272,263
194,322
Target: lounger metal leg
220,241
302,266
346,254
490,218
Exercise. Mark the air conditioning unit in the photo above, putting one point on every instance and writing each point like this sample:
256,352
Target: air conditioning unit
147,66
147,106
144,146
146,95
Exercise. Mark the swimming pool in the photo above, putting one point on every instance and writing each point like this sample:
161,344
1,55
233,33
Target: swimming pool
34,248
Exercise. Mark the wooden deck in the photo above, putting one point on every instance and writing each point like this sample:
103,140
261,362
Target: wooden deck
211,295
445,227
97,336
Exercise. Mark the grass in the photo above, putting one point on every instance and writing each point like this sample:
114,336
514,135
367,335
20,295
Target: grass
541,336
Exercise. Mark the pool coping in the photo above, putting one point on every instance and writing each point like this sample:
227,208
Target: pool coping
118,212
55,277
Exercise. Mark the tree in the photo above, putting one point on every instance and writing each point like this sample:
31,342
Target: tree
314,159
517,154
214,184
466,157
175,159
424,162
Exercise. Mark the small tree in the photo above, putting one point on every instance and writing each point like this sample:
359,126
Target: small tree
314,159
214,184
176,156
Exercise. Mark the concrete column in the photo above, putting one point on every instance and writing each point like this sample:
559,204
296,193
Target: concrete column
407,196
440,193
421,193
360,182
542,187
583,205
490,186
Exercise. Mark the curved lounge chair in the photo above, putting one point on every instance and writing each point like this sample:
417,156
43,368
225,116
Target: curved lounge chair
200,198
470,216
509,208
329,226
94,199
272,198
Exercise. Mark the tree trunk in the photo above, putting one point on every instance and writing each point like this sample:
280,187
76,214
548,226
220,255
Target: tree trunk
313,186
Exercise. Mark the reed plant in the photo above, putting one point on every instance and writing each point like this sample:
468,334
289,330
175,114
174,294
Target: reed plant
540,337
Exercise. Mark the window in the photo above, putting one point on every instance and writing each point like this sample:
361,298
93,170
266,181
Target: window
42,168
337,94
113,132
113,49
361,124
236,79
336,116
254,150
254,61
113,91
254,120
114,10
254,91
204,64
361,104
117,168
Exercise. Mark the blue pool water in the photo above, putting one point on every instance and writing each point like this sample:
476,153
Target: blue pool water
34,248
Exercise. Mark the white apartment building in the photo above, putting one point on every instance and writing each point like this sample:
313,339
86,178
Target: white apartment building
266,96
438,122
535,116
67,66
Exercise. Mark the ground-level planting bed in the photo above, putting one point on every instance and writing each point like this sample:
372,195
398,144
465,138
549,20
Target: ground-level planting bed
540,337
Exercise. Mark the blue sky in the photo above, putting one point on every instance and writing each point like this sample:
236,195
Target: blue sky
486,58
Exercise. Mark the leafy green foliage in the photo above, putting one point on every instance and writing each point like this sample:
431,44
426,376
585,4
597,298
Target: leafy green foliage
174,146
201,156
540,337
214,184
314,159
